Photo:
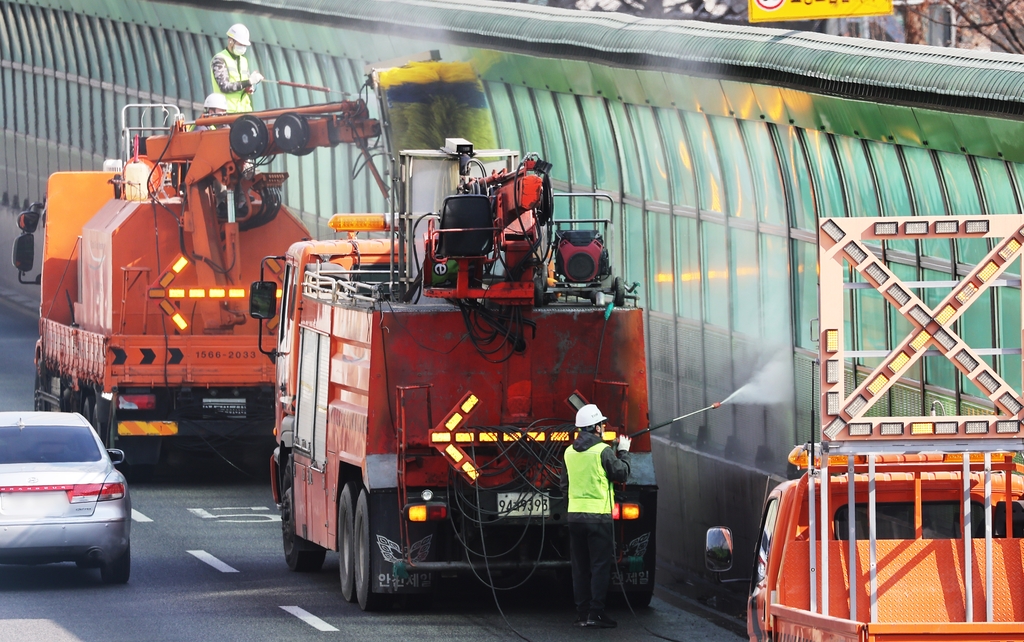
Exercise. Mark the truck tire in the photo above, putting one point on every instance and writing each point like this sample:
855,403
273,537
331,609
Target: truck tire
368,600
300,555
346,543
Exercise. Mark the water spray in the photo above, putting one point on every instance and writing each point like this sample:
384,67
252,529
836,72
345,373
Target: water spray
717,404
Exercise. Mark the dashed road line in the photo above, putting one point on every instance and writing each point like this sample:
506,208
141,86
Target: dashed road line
309,618
199,512
203,556
139,517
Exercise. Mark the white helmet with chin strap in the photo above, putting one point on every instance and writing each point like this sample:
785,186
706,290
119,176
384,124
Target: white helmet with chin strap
240,34
588,416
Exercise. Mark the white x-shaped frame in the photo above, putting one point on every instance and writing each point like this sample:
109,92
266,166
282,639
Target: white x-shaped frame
841,240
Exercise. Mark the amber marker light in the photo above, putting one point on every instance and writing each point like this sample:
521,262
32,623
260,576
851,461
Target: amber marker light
218,293
179,265
236,293
176,293
197,293
179,321
358,223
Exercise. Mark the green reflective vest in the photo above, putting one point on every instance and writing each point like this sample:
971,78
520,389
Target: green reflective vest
589,488
238,70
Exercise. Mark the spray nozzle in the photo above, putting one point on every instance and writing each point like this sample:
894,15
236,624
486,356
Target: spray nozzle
717,404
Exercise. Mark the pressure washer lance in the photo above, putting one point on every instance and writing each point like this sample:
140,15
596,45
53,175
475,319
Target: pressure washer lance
717,404
299,85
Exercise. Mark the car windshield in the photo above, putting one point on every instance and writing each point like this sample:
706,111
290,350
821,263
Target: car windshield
47,444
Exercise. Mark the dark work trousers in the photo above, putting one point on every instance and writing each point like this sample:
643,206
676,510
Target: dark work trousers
590,544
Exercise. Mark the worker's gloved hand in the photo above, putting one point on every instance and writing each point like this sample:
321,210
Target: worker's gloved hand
255,78
624,443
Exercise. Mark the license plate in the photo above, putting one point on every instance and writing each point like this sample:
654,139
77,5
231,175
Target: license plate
523,505
36,504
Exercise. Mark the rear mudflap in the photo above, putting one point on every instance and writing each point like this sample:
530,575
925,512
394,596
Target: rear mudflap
635,542
389,555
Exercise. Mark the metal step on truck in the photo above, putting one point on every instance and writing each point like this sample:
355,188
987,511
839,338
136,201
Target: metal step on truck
901,528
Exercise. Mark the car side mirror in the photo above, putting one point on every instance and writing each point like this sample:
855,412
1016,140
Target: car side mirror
116,456
718,549
24,252
263,300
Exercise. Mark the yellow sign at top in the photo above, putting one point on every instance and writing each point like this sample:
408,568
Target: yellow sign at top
779,10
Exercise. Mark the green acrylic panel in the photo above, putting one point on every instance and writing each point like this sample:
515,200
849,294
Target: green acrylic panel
601,141
554,140
715,274
633,230
710,186
996,186
804,273
680,163
578,76
927,193
710,96
963,200
937,130
687,251
827,182
681,89
797,175
764,165
653,165
745,282
975,327
657,93
739,184
504,115
857,177
901,125
741,100
660,271
777,313
576,136
891,184
529,128
627,146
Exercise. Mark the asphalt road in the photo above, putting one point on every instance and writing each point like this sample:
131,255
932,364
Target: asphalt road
207,565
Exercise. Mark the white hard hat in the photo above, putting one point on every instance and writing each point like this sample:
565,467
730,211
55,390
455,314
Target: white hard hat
589,415
239,34
216,101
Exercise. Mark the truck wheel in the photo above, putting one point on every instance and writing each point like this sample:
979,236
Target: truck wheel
301,556
42,384
368,600
118,570
346,556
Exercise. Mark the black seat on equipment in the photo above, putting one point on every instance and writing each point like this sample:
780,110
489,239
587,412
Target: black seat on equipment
464,211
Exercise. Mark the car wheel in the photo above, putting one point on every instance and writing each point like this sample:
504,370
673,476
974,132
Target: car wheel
346,556
301,556
119,569
368,600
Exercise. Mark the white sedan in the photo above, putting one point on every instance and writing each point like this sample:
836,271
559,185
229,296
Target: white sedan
61,499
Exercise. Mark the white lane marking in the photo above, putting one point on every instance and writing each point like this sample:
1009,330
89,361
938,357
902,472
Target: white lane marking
139,517
199,512
309,618
203,556
243,508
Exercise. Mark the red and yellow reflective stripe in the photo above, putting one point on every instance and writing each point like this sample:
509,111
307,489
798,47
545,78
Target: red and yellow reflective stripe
147,428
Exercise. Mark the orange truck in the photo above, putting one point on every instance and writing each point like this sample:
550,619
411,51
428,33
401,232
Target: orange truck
143,325
431,369
901,528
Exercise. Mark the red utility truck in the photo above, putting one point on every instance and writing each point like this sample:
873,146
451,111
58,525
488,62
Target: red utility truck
429,375
902,528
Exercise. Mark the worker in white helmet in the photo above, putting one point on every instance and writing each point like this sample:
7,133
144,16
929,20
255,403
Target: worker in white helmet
230,71
591,465
214,105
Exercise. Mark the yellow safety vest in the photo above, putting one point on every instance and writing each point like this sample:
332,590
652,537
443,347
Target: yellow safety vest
238,70
589,488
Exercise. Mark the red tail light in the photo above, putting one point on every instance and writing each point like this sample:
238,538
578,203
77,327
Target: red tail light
626,511
83,493
136,402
